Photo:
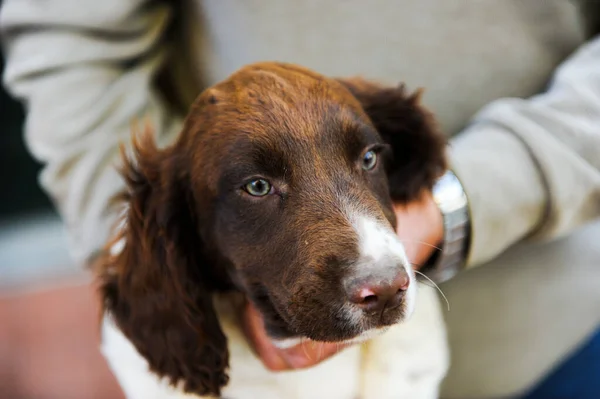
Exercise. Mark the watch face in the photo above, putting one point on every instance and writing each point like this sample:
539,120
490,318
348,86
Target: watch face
452,201
448,193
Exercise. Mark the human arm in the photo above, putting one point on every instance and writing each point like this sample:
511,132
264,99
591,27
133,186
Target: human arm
84,71
531,167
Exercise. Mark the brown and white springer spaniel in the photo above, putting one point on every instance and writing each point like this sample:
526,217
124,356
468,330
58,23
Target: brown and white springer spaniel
279,189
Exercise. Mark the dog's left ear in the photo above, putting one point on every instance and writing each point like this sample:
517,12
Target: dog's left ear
158,284
419,148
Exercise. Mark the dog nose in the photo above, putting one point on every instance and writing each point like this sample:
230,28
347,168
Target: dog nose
382,295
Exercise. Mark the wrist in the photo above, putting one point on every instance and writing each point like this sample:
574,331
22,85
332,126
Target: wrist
452,204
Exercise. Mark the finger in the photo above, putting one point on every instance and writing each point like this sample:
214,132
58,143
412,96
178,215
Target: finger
309,353
303,355
254,330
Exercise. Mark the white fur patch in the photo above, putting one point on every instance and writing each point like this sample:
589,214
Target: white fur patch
367,336
380,248
131,369
377,240
286,343
119,245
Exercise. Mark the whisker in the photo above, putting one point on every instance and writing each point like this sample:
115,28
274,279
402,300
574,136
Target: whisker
303,342
436,287
319,352
421,242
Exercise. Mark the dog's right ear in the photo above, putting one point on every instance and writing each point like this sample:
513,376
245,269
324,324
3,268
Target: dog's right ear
156,287
419,148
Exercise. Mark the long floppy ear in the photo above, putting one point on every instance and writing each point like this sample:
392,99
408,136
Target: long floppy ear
156,288
418,147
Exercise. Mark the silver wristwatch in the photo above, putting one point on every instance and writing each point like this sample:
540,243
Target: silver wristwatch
452,201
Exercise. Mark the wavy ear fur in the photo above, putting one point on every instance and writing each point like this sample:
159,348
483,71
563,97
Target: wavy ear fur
418,147
157,287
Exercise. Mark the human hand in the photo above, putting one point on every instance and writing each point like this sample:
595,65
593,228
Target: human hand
306,354
420,228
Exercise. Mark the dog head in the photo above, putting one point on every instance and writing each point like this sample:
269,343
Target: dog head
280,186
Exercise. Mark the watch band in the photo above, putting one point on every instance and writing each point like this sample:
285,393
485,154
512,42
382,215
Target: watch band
452,201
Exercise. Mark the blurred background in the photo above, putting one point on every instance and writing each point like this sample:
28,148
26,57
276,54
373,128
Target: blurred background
48,308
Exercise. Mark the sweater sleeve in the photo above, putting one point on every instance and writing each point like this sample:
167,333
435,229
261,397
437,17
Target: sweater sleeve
531,167
84,71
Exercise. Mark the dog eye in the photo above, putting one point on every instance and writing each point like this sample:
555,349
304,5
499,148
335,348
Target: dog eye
369,160
258,187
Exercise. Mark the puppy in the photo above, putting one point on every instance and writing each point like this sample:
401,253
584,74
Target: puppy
279,189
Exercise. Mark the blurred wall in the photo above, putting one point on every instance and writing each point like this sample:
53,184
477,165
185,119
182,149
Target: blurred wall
48,305
22,194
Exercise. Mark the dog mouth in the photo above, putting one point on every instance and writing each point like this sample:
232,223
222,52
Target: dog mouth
321,320
358,339
346,327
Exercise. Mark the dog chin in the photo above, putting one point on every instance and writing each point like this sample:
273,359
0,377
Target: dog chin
366,335
363,337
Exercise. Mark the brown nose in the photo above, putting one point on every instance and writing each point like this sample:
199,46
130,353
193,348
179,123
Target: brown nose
381,295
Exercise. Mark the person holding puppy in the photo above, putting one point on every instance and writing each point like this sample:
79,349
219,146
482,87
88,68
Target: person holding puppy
515,85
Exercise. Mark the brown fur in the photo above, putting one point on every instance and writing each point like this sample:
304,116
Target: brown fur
190,231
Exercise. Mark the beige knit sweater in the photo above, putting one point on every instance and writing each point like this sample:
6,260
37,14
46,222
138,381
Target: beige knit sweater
516,82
